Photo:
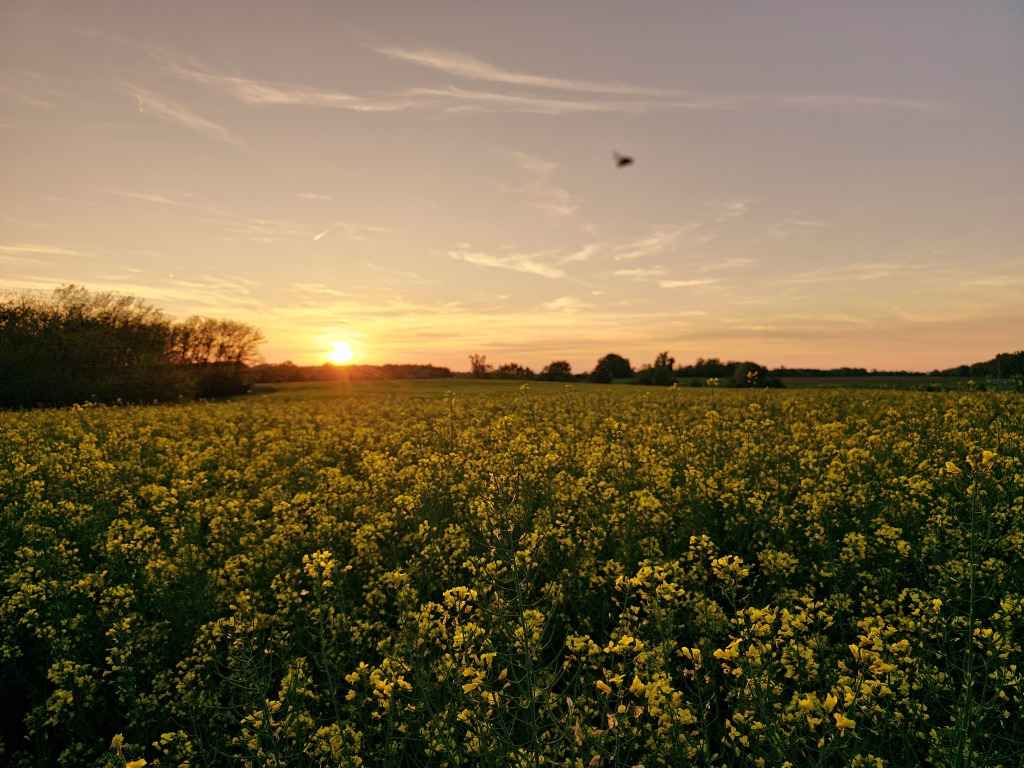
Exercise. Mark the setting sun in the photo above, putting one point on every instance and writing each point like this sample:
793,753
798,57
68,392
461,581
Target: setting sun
341,353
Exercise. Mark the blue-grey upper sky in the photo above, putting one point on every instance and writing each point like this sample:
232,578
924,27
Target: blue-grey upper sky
815,183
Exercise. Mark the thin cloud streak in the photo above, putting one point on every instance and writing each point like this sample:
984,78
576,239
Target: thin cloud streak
516,263
22,261
996,281
260,230
538,189
641,273
735,262
354,232
25,223
798,227
171,111
582,96
848,272
255,229
382,313
586,253
656,243
404,276
472,68
261,92
38,249
725,208
321,290
455,99
30,99
565,304
817,102
686,283
186,200
215,295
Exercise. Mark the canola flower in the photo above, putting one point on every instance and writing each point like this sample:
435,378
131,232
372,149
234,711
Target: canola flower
582,576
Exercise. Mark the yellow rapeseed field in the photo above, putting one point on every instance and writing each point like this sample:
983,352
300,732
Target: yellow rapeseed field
536,576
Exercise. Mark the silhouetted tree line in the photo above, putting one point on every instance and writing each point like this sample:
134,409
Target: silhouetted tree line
661,374
76,346
513,371
611,367
557,370
290,372
214,354
1006,365
843,372
616,368
704,371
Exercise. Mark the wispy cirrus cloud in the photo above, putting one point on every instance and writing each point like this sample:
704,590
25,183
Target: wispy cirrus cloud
25,95
215,295
172,111
586,253
725,208
565,304
661,240
455,99
269,93
320,304
360,233
24,222
447,98
844,273
505,90
403,277
245,89
715,265
250,228
794,227
38,249
187,200
538,189
41,255
642,273
517,262
845,102
256,229
262,230
626,97
687,283
471,68
996,281
207,294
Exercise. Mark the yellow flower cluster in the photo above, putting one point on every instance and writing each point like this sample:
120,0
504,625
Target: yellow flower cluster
586,576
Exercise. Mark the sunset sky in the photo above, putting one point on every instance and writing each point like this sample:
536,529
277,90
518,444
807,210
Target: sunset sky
815,183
